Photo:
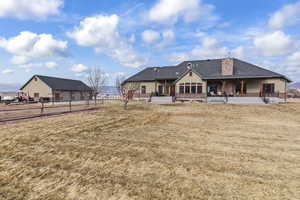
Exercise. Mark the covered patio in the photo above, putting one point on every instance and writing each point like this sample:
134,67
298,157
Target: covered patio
164,88
241,88
234,88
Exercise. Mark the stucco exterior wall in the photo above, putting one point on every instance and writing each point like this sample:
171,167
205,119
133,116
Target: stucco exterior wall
66,95
279,84
36,85
191,79
253,86
150,87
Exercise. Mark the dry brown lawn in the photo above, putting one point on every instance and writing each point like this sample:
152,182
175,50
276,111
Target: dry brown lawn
182,151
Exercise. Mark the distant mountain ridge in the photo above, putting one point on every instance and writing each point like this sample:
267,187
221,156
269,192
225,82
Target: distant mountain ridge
6,87
295,85
110,90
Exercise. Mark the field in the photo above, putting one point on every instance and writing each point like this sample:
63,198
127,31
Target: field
182,151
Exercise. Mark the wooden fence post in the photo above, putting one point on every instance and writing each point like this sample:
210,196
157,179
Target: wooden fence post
70,106
42,108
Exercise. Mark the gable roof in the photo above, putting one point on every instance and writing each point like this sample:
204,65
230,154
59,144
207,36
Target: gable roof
207,69
186,72
61,83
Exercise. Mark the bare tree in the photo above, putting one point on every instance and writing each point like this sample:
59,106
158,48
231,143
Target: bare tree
119,80
126,90
97,79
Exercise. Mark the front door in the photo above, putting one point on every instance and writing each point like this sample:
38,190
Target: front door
160,90
172,91
57,97
268,89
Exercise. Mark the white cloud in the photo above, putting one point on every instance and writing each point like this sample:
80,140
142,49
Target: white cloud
31,45
293,63
7,71
29,66
286,16
78,68
80,75
96,31
179,57
169,11
238,52
274,44
119,74
101,32
29,9
150,36
295,58
132,38
208,49
19,60
168,35
51,65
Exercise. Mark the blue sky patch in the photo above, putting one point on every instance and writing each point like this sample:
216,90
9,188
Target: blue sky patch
66,38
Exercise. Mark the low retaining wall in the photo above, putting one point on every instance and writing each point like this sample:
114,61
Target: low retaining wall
161,100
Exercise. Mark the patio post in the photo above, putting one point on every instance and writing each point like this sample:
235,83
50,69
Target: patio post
206,89
261,88
165,89
223,86
242,88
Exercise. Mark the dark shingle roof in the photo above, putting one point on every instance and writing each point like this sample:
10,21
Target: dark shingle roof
61,83
207,69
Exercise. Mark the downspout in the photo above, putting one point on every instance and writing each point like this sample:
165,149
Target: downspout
52,97
285,91
206,89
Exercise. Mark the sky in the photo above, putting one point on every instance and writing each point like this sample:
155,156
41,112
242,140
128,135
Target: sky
67,38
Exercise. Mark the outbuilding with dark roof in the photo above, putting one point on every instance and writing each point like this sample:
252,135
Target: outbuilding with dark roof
57,89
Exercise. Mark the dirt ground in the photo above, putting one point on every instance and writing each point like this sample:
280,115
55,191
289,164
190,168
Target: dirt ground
293,100
182,151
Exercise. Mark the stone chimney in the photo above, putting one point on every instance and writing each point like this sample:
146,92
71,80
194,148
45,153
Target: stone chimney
227,66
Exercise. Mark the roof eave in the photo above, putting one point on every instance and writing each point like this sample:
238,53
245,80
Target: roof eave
245,77
185,73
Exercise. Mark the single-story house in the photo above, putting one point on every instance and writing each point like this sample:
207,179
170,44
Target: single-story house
56,89
197,80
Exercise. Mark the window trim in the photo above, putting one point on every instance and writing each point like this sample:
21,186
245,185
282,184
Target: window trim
36,95
143,89
199,89
272,88
187,88
190,88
